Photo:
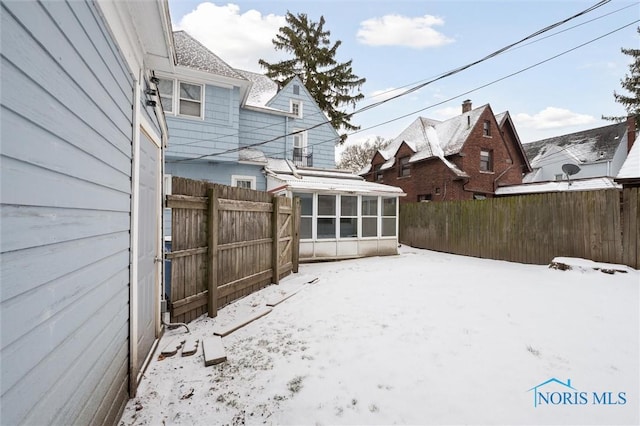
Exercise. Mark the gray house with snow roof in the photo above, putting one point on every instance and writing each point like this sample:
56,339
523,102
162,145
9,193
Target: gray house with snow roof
224,123
598,152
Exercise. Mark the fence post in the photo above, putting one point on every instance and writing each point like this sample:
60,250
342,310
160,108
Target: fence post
295,234
275,256
212,237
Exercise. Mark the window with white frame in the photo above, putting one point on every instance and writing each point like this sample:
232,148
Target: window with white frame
389,217
306,215
369,216
348,216
165,88
248,182
295,107
188,101
326,220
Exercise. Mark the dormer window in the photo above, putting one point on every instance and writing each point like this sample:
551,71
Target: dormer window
404,169
377,173
296,108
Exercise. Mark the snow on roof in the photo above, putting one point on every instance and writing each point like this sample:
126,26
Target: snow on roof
334,184
587,146
263,88
252,155
334,180
448,135
631,167
193,54
588,184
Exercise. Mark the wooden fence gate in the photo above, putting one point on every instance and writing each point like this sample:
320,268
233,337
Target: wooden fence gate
226,243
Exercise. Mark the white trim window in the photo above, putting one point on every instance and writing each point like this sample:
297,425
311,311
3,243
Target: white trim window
165,88
190,99
389,216
326,219
348,216
247,182
306,215
369,216
181,98
295,107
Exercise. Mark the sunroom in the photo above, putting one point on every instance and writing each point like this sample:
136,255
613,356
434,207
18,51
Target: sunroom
342,215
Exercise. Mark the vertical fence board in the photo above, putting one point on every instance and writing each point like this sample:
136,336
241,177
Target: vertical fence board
228,248
530,229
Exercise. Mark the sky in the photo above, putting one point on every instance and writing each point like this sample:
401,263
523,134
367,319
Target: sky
420,338
398,44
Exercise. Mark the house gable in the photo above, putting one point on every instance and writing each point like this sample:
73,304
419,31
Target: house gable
468,155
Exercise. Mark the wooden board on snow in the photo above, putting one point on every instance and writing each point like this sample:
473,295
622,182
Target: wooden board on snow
172,346
213,351
190,346
281,298
228,329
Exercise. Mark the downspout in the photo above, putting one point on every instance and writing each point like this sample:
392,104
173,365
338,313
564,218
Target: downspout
286,132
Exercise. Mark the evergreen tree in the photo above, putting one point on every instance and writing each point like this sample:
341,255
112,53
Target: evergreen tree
357,156
330,83
631,83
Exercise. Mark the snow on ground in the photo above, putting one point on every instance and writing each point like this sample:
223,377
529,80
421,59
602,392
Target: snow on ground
419,338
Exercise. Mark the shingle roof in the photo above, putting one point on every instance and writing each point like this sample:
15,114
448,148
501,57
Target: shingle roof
588,184
587,146
432,138
191,53
262,89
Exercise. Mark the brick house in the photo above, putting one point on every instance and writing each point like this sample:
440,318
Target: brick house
466,157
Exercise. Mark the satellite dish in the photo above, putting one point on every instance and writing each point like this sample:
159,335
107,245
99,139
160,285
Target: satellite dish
570,169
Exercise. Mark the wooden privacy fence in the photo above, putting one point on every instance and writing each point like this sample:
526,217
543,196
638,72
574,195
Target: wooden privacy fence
594,225
226,243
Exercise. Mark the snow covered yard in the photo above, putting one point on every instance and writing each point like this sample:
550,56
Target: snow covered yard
419,338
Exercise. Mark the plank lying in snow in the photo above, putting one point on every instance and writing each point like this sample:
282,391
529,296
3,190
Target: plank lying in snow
171,348
279,299
213,351
568,263
190,346
228,329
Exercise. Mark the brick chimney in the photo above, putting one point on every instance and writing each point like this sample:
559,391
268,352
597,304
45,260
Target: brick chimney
631,131
466,106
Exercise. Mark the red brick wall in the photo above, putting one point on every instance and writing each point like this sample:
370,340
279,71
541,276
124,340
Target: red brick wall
433,177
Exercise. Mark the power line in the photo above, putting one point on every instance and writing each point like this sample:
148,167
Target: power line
432,105
423,83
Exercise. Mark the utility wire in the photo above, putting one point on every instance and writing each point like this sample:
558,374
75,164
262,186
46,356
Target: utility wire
423,83
419,110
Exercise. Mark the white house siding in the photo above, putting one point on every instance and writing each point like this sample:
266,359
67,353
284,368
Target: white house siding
215,134
65,207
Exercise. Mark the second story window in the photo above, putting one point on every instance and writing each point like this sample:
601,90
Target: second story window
377,173
190,100
486,160
181,98
302,155
296,108
486,128
404,169
165,87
